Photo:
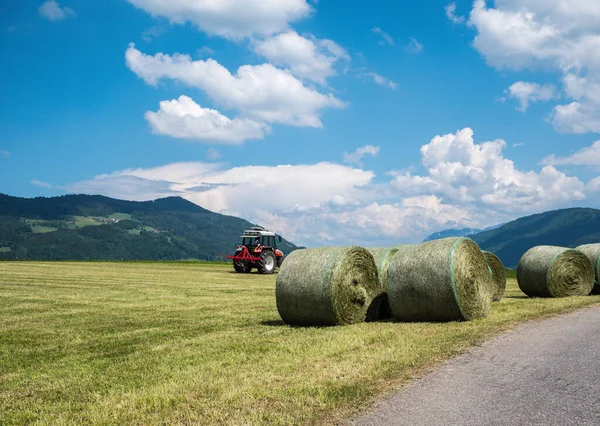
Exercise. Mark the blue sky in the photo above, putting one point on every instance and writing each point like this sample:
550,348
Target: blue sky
368,124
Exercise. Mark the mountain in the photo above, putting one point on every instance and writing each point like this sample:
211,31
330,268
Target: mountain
566,228
457,232
94,227
452,233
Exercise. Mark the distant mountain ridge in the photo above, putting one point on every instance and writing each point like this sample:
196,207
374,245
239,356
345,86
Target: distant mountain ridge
509,241
446,233
94,227
566,228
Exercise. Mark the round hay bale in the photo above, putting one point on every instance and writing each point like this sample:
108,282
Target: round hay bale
550,271
328,286
440,280
592,251
498,275
382,257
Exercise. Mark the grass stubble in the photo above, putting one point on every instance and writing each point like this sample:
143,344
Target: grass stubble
186,343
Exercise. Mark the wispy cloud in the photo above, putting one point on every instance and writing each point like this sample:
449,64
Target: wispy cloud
381,80
53,12
213,154
42,184
451,14
414,46
356,156
205,51
385,37
4,154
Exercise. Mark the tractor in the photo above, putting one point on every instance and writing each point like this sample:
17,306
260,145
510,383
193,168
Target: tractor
257,250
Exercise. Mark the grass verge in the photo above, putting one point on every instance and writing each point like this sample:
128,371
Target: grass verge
151,343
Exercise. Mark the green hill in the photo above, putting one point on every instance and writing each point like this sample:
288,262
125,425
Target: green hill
94,227
566,228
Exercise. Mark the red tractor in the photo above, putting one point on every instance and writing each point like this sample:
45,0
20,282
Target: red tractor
257,250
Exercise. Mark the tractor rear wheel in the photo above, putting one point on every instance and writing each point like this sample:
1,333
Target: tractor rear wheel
267,262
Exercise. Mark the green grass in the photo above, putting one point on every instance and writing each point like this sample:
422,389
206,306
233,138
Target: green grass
165,343
40,229
120,216
5,249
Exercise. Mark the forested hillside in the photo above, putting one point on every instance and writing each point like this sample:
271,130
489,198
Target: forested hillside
93,227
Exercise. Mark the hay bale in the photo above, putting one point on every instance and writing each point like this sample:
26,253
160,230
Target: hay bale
550,271
328,286
440,280
498,275
382,257
592,251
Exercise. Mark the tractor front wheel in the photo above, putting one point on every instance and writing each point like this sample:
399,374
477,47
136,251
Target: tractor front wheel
242,267
267,262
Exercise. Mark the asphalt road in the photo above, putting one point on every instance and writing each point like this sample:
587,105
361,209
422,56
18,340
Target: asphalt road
541,373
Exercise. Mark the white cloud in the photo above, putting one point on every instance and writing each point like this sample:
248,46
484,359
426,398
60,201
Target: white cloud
53,12
588,156
451,14
40,183
414,46
381,80
385,37
526,93
478,178
465,184
185,119
260,92
356,156
233,19
4,154
307,58
550,36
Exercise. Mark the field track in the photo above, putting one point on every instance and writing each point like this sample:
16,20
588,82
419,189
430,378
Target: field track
542,373
189,343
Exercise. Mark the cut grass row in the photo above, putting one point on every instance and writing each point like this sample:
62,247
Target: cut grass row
151,343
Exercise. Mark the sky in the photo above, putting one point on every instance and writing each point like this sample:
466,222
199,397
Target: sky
331,123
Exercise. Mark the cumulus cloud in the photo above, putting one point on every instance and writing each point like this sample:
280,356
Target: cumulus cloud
464,184
53,12
233,19
307,58
526,93
479,178
588,156
385,37
552,36
451,14
185,119
260,92
356,156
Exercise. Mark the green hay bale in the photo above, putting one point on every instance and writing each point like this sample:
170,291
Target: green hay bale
382,257
498,275
550,271
441,280
592,251
328,286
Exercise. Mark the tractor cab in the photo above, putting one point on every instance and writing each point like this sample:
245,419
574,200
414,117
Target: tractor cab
258,249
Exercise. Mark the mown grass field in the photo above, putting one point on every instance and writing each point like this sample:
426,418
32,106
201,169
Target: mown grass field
188,343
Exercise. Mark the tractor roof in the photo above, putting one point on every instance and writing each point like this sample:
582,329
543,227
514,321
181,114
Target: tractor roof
258,231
